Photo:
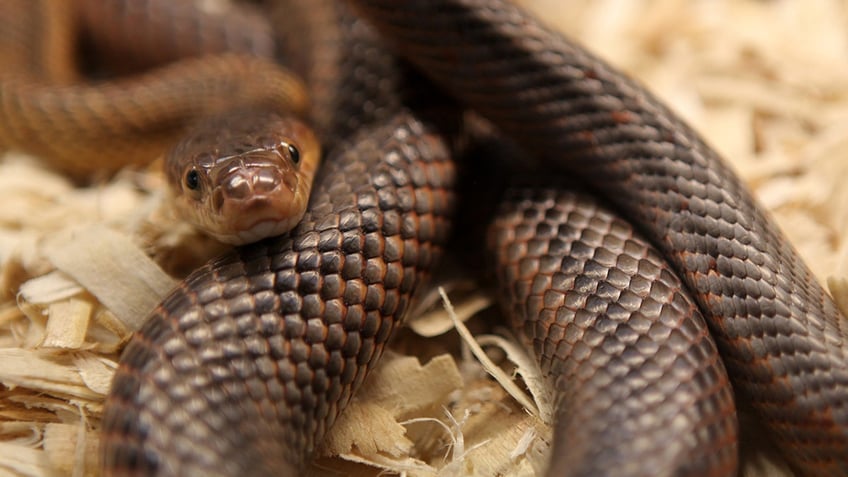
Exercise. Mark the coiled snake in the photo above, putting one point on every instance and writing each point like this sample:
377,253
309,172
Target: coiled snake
244,367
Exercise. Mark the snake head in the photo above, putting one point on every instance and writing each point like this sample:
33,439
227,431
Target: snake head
244,176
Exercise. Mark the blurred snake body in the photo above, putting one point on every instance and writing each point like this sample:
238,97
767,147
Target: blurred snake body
244,367
234,192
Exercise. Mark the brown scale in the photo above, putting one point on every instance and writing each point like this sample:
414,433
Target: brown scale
639,384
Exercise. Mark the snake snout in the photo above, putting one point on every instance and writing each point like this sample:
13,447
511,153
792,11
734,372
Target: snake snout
254,187
256,199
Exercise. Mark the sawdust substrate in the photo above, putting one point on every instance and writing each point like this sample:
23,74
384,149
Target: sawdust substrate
766,83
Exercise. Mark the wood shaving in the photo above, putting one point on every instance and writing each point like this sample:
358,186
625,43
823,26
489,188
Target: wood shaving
80,267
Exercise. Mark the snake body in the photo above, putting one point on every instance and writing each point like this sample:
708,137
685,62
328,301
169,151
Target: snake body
640,386
243,368
334,290
780,334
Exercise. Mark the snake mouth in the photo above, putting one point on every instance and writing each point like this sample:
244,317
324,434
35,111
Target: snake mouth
260,230
260,216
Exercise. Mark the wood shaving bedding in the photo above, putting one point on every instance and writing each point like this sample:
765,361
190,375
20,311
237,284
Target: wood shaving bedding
765,82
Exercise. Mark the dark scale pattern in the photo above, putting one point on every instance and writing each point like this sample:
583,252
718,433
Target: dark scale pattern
641,390
245,366
780,335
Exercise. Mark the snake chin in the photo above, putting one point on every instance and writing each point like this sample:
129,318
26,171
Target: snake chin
258,231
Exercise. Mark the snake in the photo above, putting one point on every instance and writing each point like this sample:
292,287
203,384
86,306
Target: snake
781,337
244,367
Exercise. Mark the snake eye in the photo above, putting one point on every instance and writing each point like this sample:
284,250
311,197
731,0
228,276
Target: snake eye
192,179
293,153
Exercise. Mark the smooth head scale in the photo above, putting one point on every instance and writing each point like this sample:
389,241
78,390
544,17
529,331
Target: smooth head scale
245,175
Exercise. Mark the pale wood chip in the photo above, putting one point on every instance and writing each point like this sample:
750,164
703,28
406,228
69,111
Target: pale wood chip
115,270
839,289
367,430
528,368
439,322
71,449
496,372
95,371
23,461
397,389
67,323
43,371
49,288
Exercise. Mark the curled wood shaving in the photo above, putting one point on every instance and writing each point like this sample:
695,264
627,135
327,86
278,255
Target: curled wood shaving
110,266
